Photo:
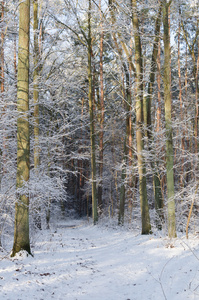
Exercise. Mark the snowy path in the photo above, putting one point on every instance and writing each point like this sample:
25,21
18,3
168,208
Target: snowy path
99,263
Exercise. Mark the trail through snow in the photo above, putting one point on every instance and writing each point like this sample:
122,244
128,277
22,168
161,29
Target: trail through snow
75,260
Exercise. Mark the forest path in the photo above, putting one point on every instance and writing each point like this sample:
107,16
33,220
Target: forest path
76,260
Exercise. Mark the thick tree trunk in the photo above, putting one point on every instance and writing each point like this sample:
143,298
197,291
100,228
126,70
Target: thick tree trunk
92,128
168,123
146,226
21,231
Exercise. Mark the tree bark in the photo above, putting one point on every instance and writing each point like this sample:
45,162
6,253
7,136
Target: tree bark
21,231
146,226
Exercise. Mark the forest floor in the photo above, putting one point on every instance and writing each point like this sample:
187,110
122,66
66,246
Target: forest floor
76,260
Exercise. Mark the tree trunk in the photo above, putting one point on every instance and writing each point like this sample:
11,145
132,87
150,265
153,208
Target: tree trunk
122,189
131,177
92,128
124,160
146,226
101,134
21,231
168,124
35,87
36,104
148,126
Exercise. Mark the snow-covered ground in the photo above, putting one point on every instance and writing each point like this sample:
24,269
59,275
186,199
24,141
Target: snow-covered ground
76,260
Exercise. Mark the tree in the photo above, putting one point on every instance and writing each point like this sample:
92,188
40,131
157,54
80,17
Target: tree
92,127
21,232
147,117
146,226
101,105
36,102
168,123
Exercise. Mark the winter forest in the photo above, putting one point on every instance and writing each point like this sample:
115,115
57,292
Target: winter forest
99,125
99,115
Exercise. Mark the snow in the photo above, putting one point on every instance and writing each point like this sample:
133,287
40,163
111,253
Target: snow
76,260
